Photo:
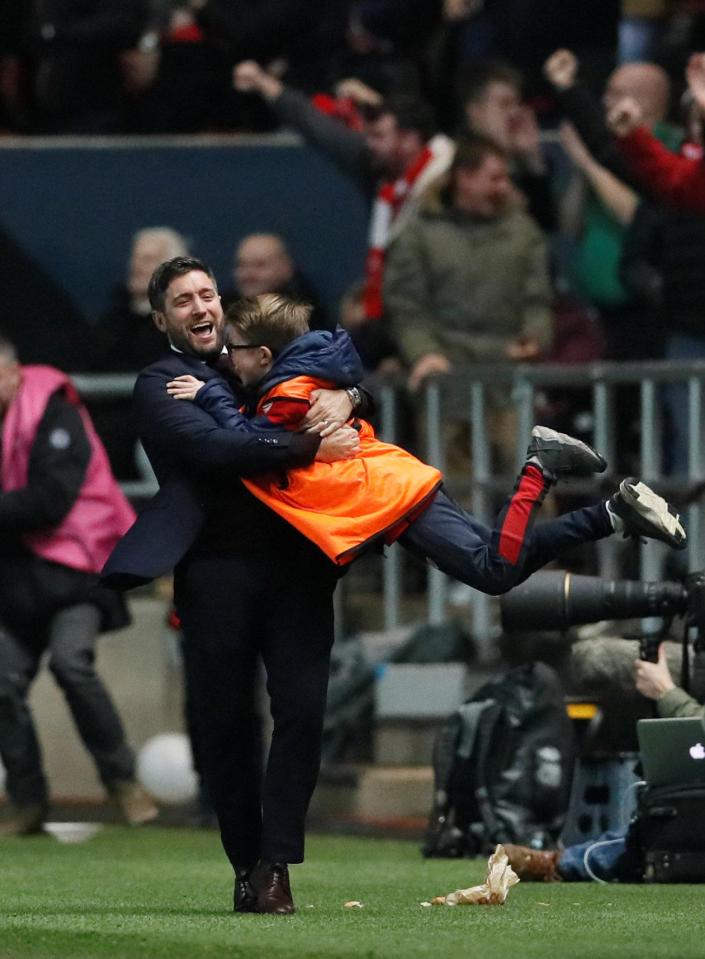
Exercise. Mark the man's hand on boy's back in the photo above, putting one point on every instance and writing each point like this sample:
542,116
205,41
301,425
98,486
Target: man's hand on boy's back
343,444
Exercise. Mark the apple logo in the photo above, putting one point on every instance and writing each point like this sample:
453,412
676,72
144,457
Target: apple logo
697,751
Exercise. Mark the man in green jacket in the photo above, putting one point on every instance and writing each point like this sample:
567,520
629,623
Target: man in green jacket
467,280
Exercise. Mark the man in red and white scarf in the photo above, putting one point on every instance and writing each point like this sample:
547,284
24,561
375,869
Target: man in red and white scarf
397,197
394,157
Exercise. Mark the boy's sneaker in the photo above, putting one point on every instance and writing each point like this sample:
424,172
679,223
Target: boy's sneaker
559,453
644,513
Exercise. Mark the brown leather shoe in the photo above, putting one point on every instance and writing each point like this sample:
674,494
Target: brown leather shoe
270,883
533,865
244,898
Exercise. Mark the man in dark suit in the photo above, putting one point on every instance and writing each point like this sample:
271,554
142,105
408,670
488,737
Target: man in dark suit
246,584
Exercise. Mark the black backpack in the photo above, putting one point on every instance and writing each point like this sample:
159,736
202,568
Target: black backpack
502,766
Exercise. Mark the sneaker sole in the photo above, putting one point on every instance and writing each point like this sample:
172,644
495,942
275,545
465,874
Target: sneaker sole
654,510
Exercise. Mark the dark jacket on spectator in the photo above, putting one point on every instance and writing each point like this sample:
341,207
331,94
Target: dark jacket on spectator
124,341
77,79
345,147
580,106
663,266
266,30
536,187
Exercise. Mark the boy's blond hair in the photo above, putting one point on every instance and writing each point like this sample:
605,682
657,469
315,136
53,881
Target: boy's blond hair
269,320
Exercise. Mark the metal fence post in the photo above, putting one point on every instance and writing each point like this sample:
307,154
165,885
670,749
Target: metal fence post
523,397
604,440
391,563
652,554
480,612
436,579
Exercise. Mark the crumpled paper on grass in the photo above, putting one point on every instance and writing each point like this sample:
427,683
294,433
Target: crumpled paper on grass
492,892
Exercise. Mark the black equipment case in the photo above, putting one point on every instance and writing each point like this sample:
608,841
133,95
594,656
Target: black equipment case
671,833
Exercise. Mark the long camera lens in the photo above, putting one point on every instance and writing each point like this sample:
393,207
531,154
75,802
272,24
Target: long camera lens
557,600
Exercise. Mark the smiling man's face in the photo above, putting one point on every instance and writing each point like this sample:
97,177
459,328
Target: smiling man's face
193,317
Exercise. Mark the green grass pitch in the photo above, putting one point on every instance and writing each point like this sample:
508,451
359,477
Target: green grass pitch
167,894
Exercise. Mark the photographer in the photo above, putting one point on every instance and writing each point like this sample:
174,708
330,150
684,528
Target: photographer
654,681
614,856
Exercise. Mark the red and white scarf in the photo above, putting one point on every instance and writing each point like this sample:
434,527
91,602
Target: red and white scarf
394,199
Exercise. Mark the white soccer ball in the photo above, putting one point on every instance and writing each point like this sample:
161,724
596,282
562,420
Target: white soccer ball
165,769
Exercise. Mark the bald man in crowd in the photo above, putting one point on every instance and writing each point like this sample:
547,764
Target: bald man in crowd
646,82
610,204
677,180
263,264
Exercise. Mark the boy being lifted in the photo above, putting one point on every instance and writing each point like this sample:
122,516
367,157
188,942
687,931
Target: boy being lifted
385,493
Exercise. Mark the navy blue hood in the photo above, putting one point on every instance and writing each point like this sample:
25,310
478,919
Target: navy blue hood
321,354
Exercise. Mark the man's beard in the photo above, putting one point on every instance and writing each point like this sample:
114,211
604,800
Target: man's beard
207,354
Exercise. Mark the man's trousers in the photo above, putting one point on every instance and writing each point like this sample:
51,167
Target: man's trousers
70,645
495,560
234,608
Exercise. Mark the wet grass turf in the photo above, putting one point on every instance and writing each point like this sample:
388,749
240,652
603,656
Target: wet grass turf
153,893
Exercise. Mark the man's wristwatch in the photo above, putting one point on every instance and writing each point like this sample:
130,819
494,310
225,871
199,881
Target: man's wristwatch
355,396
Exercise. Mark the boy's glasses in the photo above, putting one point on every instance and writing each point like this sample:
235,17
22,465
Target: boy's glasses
242,346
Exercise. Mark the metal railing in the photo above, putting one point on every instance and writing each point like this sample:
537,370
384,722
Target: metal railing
523,383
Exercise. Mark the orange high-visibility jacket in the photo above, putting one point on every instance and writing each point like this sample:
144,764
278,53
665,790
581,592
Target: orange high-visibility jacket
343,506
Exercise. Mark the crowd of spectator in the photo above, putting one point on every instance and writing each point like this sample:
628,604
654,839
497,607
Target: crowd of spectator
507,222
157,66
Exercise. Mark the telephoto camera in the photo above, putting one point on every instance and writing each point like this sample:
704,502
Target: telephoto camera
558,600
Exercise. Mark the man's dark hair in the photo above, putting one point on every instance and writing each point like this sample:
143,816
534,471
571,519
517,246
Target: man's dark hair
477,77
165,273
471,151
411,113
